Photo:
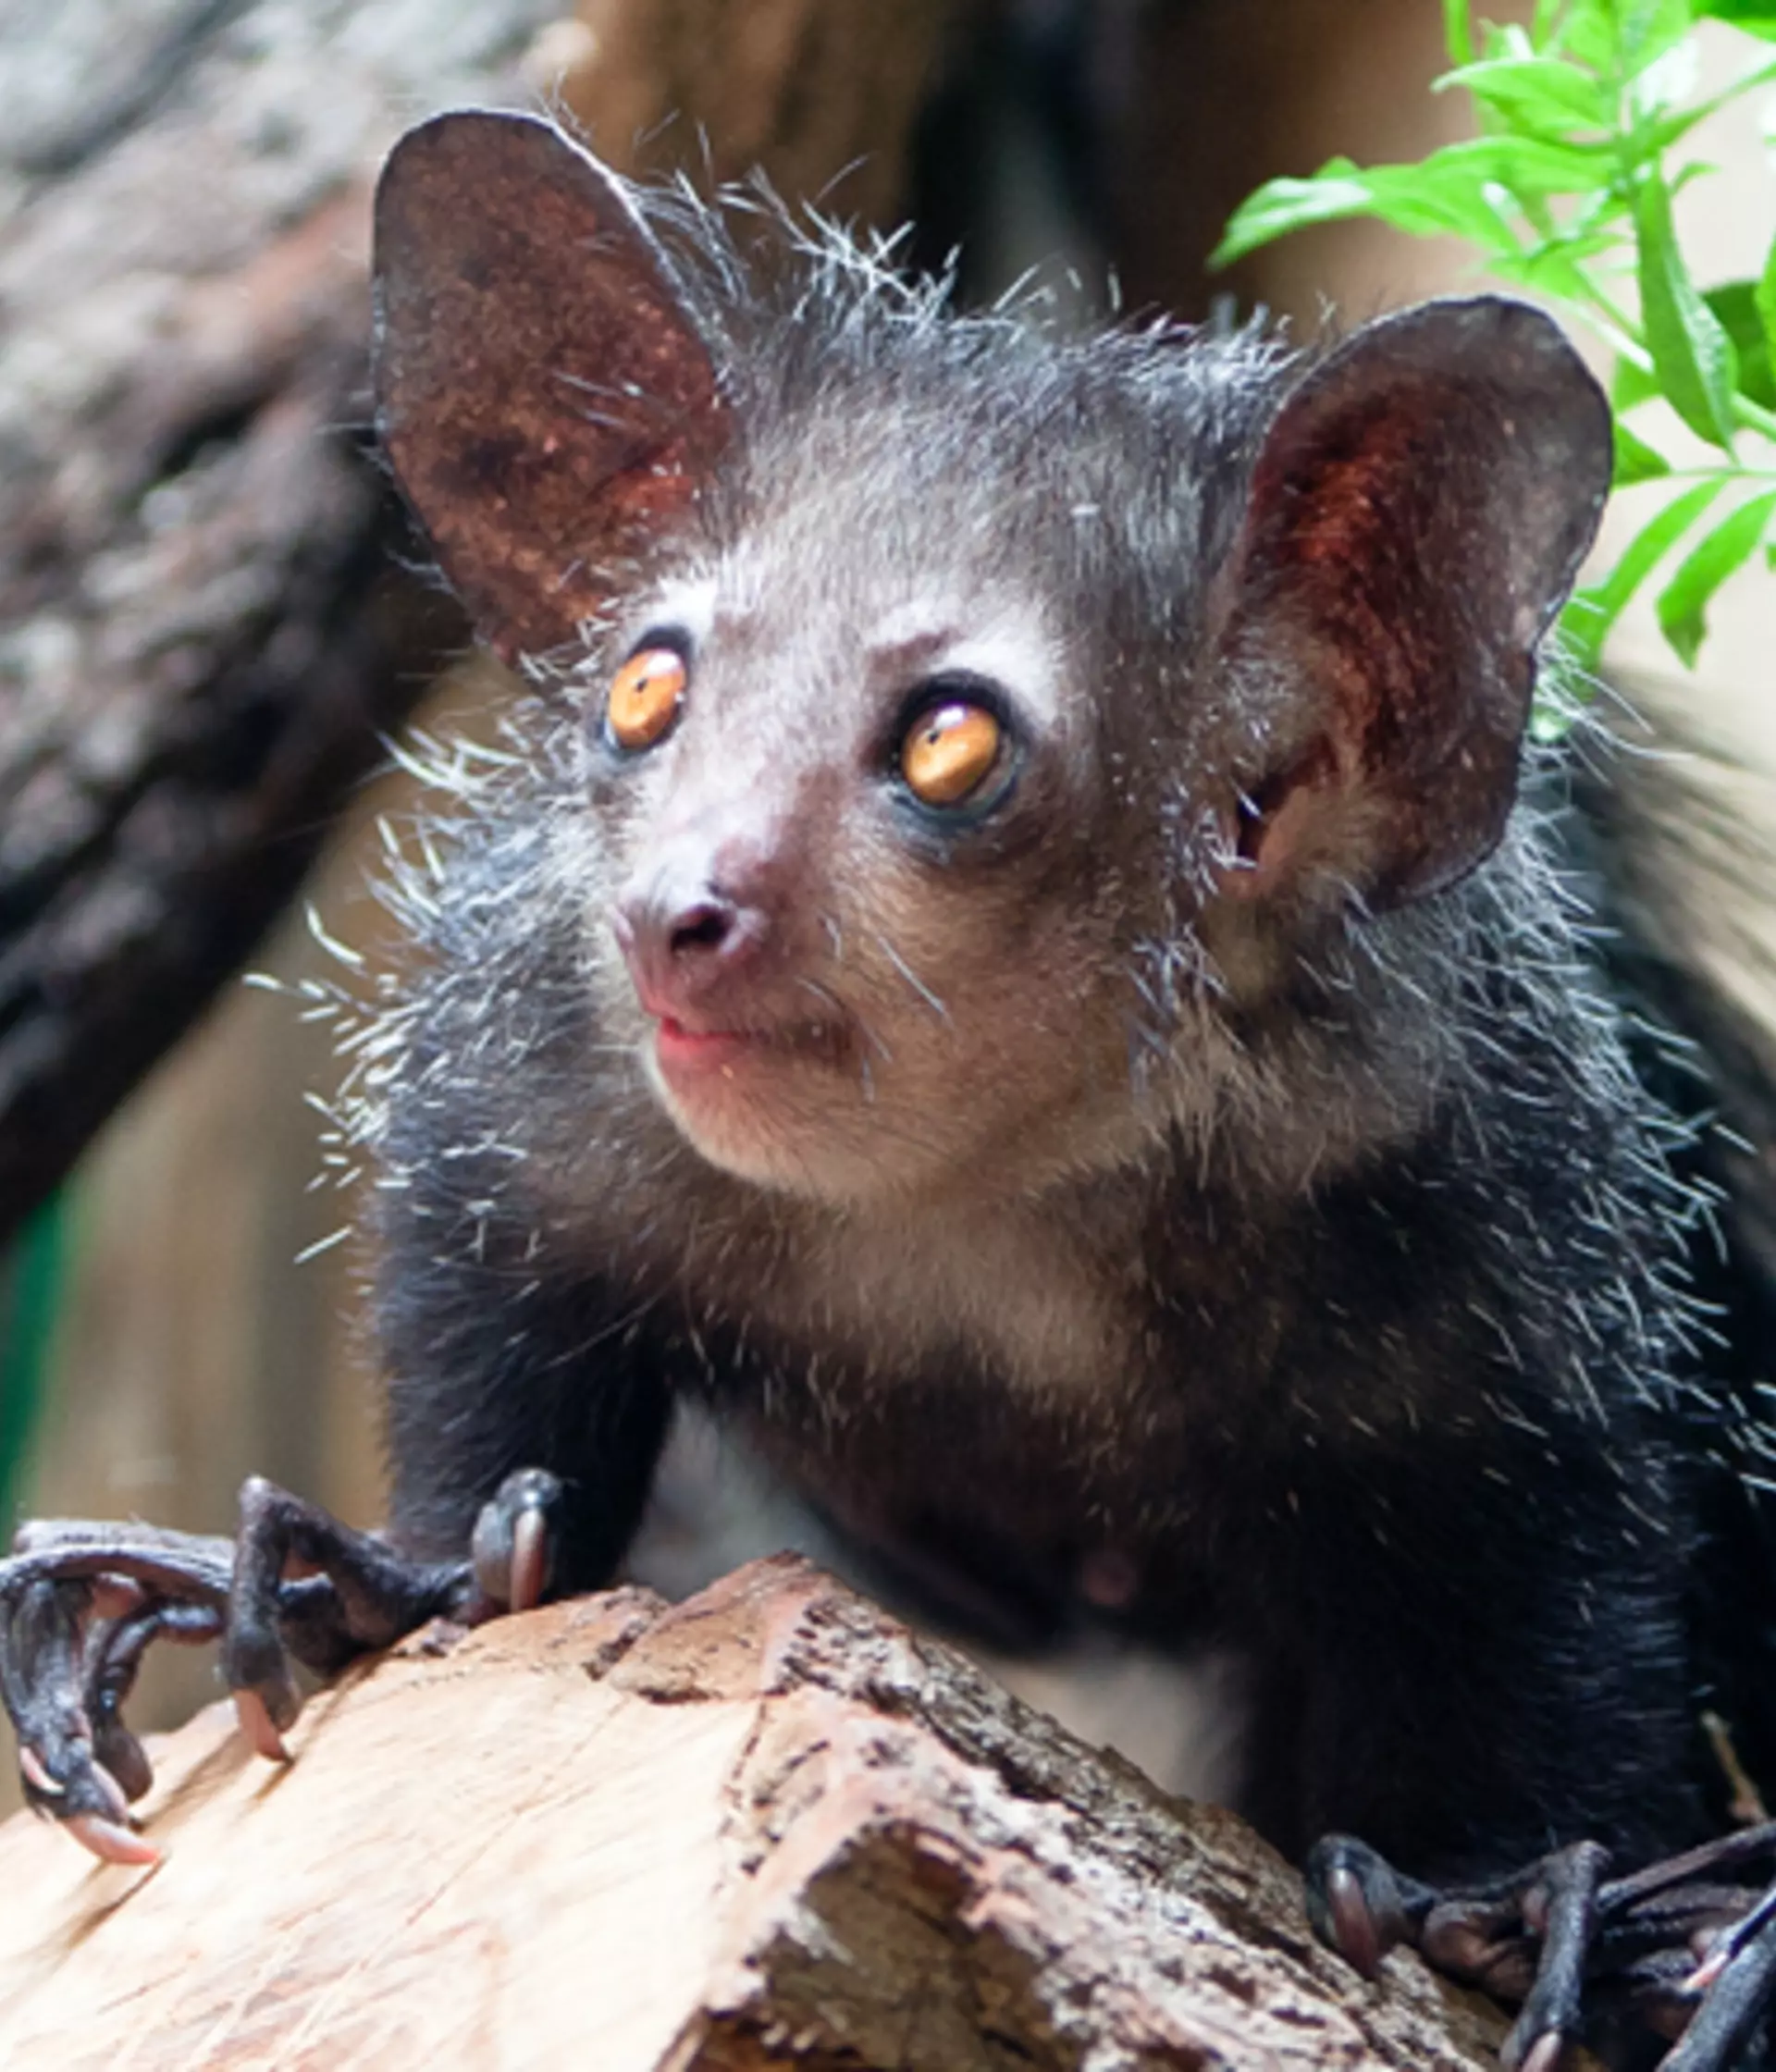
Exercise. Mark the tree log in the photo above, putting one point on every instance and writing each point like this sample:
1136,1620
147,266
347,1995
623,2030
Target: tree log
769,1826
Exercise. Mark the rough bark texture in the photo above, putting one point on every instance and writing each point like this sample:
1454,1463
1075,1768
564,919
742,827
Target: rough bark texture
203,632
204,636
768,1827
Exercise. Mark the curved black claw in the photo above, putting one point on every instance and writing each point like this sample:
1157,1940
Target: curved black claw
114,1650
364,1595
513,1550
81,1602
1362,1906
1582,1957
63,1774
1738,1978
1562,1906
1359,1904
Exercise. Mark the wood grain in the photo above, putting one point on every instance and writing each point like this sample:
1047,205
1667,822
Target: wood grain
768,1827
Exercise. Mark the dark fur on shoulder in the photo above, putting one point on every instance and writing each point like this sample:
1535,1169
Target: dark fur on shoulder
1219,1154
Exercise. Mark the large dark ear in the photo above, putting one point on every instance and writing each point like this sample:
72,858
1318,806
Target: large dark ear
1417,515
541,390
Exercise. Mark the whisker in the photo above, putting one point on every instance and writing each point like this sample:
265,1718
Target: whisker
824,994
912,977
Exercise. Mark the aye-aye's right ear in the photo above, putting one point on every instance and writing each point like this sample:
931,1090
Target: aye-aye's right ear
541,389
1416,516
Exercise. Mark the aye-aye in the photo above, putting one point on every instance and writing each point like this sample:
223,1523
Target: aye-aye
1006,960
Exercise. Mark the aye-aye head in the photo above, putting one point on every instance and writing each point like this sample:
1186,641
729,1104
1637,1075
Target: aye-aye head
985,734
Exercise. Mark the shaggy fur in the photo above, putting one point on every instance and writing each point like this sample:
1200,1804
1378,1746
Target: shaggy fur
1291,1233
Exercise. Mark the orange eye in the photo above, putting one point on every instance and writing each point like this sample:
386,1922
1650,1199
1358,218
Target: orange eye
950,752
646,694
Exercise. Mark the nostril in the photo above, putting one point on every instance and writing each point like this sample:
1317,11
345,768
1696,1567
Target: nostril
703,927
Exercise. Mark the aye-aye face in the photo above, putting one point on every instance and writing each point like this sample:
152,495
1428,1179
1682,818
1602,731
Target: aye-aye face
982,731
848,839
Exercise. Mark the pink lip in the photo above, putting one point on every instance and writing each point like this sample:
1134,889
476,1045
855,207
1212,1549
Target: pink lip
680,1049
684,1052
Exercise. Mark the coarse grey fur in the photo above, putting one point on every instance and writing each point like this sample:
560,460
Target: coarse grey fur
1210,1162
1006,957
1033,468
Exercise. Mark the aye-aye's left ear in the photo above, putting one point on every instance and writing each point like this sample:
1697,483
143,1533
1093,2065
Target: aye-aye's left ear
542,392
1417,515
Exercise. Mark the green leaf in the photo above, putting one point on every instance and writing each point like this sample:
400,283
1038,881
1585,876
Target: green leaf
1635,460
1281,206
1592,612
1452,192
1692,353
1538,96
1682,602
1433,200
1736,310
1545,21
1527,165
1598,213
1696,170
1425,206
1756,17
1590,33
1669,129
1458,31
1632,384
1649,29
1622,38
1556,268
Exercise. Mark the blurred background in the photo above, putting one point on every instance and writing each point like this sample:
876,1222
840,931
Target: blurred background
210,622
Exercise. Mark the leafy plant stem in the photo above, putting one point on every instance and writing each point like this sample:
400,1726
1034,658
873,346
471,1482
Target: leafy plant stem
1566,190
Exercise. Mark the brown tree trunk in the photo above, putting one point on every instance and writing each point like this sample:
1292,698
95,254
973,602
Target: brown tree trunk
769,1826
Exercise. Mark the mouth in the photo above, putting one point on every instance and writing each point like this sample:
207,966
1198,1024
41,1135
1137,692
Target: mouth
767,1102
688,1054
679,1048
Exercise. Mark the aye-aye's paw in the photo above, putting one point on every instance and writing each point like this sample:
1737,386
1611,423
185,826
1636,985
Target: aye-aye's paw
80,1602
1680,1948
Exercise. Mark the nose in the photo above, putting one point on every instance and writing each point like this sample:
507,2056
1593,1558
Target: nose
704,930
688,934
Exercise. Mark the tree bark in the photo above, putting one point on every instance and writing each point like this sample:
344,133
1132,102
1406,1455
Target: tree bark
204,637
767,1828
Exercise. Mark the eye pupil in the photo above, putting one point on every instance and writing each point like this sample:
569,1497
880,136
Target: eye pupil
645,697
951,753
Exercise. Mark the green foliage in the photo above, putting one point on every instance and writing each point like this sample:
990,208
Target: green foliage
1566,193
